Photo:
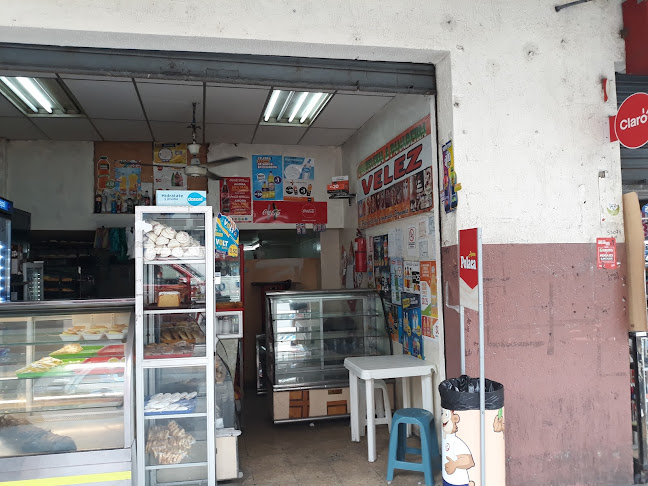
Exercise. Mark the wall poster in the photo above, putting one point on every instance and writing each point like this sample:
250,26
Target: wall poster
169,178
170,154
392,321
412,277
267,181
299,178
396,264
289,212
429,312
382,270
413,332
450,187
396,181
236,198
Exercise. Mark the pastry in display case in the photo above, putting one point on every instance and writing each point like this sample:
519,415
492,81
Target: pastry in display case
60,398
174,314
309,334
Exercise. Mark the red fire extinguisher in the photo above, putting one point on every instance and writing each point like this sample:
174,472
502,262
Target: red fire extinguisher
360,247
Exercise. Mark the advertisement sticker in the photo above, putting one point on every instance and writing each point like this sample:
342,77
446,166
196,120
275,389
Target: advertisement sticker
236,198
429,289
181,198
606,253
289,212
299,178
412,326
449,195
382,270
412,277
166,178
170,153
396,279
226,236
267,182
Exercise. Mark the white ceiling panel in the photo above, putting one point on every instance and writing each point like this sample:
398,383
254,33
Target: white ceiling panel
8,109
123,130
278,135
173,132
170,102
327,136
67,128
168,81
235,105
223,133
350,111
19,128
107,99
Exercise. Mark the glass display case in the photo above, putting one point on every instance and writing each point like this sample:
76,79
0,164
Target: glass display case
639,387
175,366
309,334
65,389
228,283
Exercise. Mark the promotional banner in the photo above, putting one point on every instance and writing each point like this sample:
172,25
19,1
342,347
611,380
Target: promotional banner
412,277
413,331
289,212
181,198
606,253
468,271
267,182
236,198
449,195
226,236
429,289
170,153
299,178
396,181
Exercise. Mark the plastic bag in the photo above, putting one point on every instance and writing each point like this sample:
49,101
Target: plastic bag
463,394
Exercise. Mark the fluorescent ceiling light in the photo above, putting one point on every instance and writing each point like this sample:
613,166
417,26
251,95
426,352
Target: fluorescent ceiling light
294,108
311,106
271,104
18,93
300,102
36,92
39,97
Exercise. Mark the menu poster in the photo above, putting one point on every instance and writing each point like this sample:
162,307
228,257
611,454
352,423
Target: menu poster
382,270
412,277
267,181
429,289
236,198
396,279
299,178
169,178
412,327
170,154
396,181
393,321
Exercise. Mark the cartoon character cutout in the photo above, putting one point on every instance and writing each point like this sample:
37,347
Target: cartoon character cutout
498,423
456,455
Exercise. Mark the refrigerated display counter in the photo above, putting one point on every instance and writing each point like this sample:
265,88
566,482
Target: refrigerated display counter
309,334
66,382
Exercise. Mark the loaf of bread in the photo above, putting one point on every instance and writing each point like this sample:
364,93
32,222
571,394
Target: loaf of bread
169,299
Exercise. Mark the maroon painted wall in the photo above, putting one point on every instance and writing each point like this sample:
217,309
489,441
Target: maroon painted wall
556,337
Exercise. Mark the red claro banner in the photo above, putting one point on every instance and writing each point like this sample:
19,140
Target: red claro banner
468,268
289,212
630,126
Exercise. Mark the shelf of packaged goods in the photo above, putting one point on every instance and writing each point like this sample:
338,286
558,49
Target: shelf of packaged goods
198,450
179,310
200,411
176,262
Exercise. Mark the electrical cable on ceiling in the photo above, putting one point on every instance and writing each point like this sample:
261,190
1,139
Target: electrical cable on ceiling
570,4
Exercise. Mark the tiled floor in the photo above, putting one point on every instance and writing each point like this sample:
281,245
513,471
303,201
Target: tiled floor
301,454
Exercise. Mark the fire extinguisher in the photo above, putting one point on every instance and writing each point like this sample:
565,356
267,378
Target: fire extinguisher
360,247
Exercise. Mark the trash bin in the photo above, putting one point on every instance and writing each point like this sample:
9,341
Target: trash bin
460,452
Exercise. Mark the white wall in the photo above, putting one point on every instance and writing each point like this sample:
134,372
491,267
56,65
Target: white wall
398,115
54,181
527,116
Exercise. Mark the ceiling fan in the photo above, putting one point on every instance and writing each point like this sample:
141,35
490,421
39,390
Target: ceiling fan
202,170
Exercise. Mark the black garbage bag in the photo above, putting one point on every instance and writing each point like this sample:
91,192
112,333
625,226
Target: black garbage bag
463,394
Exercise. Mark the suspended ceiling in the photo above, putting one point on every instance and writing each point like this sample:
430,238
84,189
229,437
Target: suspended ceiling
135,109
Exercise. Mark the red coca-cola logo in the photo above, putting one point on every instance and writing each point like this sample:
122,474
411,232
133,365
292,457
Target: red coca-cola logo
309,210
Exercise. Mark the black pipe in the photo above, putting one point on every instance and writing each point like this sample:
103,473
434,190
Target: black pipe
570,4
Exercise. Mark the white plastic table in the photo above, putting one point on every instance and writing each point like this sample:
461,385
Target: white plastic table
370,368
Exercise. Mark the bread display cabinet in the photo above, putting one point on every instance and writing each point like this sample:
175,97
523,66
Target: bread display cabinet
175,360
66,382
308,336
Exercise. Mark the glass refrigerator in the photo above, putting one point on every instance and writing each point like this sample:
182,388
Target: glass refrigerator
6,208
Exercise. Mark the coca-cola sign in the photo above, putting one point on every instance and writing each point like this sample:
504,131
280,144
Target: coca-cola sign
289,212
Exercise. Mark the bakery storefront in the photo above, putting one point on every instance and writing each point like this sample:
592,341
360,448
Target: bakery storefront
189,257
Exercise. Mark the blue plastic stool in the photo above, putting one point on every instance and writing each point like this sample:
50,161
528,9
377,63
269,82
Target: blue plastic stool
429,451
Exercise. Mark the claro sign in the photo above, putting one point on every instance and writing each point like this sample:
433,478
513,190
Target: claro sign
630,126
